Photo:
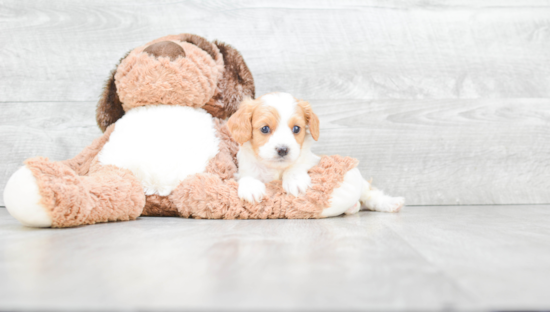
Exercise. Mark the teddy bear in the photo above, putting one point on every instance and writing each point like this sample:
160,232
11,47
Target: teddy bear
166,149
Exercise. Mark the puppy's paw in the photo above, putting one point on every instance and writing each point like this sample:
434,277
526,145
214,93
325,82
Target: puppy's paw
296,184
251,190
353,209
397,204
391,204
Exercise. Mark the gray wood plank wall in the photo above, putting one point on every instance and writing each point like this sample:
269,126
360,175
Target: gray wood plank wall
444,102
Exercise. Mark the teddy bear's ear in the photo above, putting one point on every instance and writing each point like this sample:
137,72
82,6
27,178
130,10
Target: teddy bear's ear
236,84
109,108
200,42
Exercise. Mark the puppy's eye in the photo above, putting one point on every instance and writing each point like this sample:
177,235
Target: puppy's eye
296,129
265,129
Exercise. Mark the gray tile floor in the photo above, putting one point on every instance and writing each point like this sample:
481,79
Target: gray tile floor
425,258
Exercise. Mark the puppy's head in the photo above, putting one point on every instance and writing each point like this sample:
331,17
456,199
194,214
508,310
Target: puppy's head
276,126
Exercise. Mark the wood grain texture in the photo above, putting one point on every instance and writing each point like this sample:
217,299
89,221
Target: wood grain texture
446,152
444,102
432,152
490,258
63,50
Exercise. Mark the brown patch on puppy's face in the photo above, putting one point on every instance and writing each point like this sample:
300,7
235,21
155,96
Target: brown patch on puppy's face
265,121
253,122
298,120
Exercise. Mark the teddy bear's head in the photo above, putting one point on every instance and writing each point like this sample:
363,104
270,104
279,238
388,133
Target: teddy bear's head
182,70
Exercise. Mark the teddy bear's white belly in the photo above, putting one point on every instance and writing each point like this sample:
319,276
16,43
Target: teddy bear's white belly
162,145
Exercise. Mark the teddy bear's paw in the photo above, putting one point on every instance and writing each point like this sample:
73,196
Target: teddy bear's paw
296,184
251,190
22,199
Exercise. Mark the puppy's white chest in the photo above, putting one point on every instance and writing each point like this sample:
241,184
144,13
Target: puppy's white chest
267,175
162,145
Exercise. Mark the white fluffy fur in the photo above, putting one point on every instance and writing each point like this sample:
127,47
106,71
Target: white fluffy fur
355,193
346,195
267,166
254,170
251,189
282,136
22,199
375,199
295,177
159,145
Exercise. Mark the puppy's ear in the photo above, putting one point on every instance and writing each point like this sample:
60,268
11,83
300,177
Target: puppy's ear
109,108
311,119
240,124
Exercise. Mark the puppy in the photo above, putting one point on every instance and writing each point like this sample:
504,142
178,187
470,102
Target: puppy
275,133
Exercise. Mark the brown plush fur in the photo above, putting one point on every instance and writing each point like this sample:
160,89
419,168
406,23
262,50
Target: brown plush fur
159,206
224,164
200,42
237,83
109,108
142,79
165,49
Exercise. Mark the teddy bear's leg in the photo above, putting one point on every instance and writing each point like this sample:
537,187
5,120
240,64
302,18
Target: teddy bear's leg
22,199
45,193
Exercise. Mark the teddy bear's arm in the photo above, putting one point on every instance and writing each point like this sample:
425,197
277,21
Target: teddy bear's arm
225,163
81,162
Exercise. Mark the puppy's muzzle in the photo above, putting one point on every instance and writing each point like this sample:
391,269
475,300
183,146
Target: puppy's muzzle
282,151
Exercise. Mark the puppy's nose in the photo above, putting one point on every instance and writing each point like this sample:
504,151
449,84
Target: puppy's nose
282,151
